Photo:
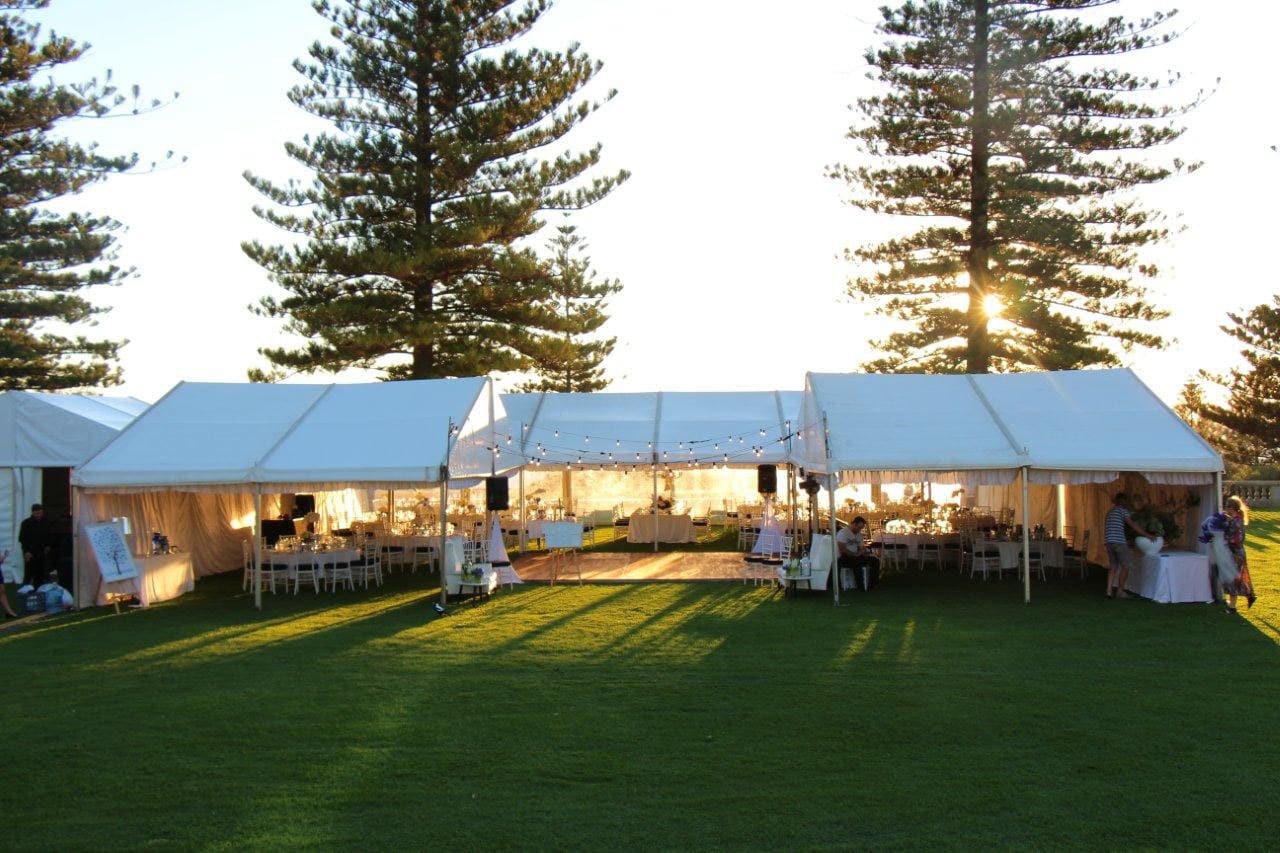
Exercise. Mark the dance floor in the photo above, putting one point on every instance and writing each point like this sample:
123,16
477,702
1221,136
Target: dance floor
632,566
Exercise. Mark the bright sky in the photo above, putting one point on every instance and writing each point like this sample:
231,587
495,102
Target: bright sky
728,234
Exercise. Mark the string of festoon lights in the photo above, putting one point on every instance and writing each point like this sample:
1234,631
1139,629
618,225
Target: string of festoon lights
715,452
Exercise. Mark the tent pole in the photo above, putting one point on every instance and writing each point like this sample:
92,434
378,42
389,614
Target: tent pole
791,499
654,509
75,545
524,539
257,547
444,523
835,551
1062,511
1217,492
1026,535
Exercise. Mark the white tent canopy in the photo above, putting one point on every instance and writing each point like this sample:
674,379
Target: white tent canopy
231,437
608,429
42,430
1066,427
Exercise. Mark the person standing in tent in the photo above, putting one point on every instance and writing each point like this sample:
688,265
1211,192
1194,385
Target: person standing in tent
35,535
1119,555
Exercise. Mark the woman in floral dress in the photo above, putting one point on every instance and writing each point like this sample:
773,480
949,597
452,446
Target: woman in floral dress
1225,533
1242,584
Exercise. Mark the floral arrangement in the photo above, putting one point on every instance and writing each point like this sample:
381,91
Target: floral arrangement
1216,523
473,572
1161,520
794,569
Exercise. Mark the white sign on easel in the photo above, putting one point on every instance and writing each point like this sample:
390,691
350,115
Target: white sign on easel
115,560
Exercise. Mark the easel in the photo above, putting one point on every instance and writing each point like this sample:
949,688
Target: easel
558,559
117,595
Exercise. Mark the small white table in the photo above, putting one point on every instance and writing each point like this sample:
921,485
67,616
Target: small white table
1171,577
162,577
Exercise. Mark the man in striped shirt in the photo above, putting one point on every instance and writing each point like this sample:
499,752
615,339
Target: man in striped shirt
1119,557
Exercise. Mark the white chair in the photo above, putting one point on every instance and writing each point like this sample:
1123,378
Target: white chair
306,571
336,570
985,558
929,553
1035,559
425,556
246,557
1072,558
369,566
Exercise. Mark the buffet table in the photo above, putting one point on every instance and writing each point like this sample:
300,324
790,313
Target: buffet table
1171,577
647,527
160,578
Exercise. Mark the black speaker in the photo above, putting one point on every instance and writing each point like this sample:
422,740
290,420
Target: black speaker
767,479
495,494
303,505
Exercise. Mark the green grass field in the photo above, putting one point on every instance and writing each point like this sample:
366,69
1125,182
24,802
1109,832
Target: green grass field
935,711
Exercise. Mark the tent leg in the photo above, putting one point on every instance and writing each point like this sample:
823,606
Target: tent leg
75,547
654,509
1026,536
1062,510
524,537
257,548
1217,492
444,523
835,551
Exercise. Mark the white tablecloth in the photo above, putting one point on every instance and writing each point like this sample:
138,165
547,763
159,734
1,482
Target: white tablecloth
294,559
1051,552
914,540
1171,578
160,578
670,528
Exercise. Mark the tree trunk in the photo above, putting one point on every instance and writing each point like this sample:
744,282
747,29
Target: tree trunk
978,351
423,366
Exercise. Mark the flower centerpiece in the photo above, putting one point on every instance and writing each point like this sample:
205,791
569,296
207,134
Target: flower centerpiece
472,572
794,568
1160,522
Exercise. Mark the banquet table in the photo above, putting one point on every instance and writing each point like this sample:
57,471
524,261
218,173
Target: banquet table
294,559
1171,577
913,541
1051,552
162,577
647,527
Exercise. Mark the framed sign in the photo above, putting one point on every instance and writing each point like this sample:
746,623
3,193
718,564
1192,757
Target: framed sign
115,560
562,534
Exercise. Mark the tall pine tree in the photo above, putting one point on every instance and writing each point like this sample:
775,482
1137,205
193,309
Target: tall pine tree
573,360
1001,127
47,258
448,145
1252,408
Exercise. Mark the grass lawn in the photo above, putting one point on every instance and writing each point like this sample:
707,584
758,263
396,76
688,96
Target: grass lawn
935,711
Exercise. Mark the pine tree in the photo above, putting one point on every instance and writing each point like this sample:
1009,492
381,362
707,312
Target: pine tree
1239,453
448,145
48,258
1252,408
571,360
1024,160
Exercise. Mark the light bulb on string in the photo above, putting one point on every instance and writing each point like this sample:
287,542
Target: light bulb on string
557,433
586,439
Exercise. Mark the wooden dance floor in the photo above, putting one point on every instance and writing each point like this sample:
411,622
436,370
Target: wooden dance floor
632,566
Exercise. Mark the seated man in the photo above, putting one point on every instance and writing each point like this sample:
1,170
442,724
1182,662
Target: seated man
854,554
56,598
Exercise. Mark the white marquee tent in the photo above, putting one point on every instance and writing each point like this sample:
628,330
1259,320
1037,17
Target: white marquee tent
204,448
737,428
40,430
1068,428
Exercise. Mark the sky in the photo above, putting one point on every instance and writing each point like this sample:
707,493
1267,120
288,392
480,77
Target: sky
728,236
